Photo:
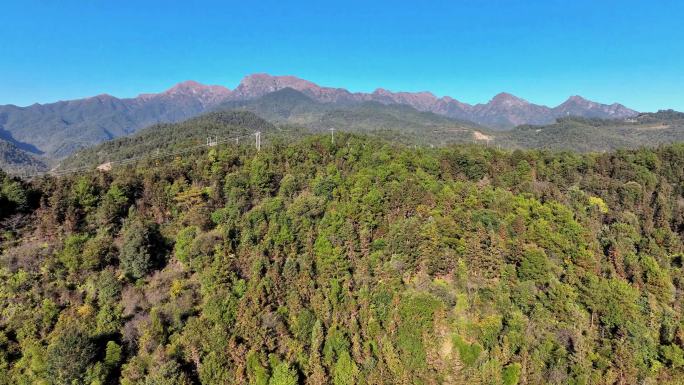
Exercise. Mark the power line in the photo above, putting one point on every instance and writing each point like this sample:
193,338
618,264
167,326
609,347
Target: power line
211,142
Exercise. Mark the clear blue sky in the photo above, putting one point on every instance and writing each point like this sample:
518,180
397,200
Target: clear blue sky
631,51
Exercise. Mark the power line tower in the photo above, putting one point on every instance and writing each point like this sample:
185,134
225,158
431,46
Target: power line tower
332,135
258,140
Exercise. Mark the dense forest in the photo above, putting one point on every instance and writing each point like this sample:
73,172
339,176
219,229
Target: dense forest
358,262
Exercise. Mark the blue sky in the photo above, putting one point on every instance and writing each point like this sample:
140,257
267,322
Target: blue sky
544,51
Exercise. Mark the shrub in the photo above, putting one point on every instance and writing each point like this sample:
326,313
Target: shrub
511,374
71,255
467,353
136,256
69,354
283,374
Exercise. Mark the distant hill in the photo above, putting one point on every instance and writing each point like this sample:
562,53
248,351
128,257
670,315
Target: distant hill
660,115
16,160
56,130
584,135
170,137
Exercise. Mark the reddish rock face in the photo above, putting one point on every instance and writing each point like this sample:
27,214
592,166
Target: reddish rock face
258,85
206,95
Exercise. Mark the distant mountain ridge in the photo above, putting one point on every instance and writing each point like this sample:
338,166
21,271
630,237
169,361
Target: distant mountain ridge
56,130
504,111
290,106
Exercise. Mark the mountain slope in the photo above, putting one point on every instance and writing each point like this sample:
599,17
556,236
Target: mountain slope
58,129
283,105
15,160
578,106
506,110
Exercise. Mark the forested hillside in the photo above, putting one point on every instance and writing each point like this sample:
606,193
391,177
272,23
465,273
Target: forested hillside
585,135
362,262
14,159
173,137
290,115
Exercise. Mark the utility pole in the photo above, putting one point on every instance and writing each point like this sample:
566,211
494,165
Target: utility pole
332,135
258,140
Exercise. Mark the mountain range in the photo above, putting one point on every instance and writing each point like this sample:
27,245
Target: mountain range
504,111
56,130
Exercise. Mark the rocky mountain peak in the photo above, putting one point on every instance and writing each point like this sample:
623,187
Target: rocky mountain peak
205,94
579,106
256,85
576,99
506,99
191,87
